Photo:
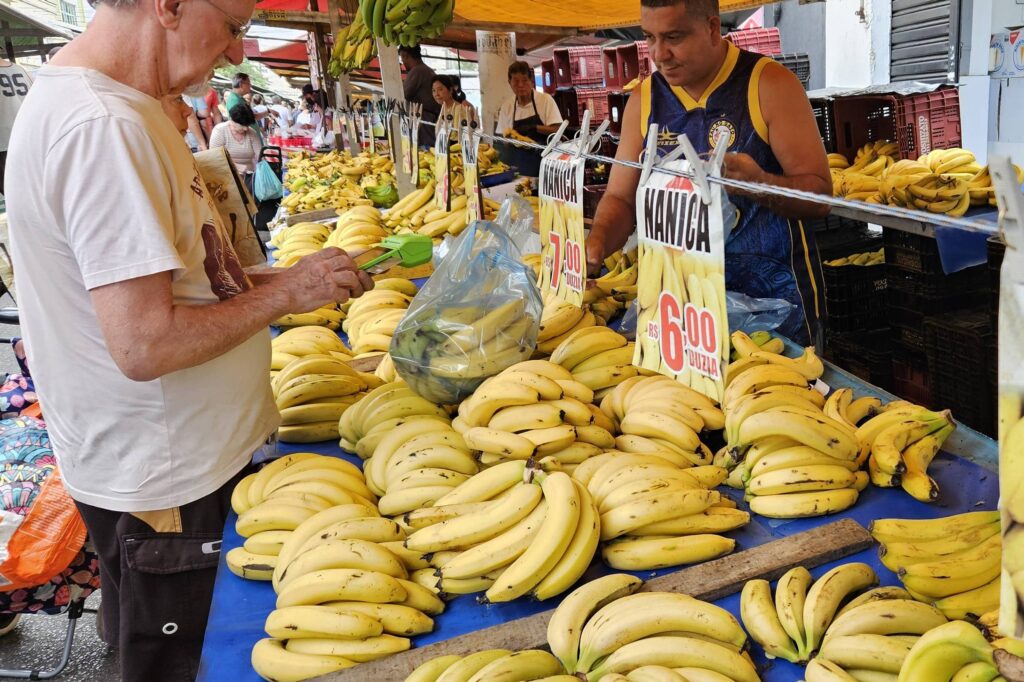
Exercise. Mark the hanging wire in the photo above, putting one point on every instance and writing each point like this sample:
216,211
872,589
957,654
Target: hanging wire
763,190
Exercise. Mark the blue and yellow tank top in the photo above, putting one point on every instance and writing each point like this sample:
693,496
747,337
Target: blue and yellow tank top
767,256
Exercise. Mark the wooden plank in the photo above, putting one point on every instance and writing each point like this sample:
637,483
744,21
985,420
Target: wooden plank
708,581
294,16
503,27
366,364
312,216
425,270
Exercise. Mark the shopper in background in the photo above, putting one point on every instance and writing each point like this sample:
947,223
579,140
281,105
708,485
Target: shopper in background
309,120
418,87
281,112
14,85
448,93
241,86
716,94
262,112
213,106
530,113
239,139
149,342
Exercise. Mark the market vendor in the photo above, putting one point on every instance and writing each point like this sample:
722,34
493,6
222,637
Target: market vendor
714,92
531,114
149,343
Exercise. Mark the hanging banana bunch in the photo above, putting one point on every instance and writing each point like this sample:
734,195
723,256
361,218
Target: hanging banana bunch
406,22
354,48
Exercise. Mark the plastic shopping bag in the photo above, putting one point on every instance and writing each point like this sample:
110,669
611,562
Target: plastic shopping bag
266,185
477,315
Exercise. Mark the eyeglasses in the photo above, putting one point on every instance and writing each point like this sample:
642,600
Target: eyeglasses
238,29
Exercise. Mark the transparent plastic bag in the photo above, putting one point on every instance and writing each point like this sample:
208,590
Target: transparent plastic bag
477,315
266,185
751,314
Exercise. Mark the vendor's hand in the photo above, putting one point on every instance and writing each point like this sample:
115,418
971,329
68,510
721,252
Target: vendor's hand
742,167
595,251
319,279
527,130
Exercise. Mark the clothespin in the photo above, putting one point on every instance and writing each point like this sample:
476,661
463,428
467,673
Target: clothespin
650,154
583,137
697,167
555,138
595,139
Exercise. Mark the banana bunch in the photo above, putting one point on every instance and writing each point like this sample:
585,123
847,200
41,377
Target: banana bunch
408,206
492,664
329,316
439,222
899,445
704,287
272,502
793,625
301,239
793,460
299,342
861,179
599,358
407,22
340,193
354,48
842,407
357,230
866,258
614,290
373,317
343,596
415,460
952,563
958,651
659,416
312,392
533,409
511,530
764,340
447,355
385,407
558,321
656,513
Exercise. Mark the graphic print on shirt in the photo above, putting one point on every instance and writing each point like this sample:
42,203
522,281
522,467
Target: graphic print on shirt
227,278
722,130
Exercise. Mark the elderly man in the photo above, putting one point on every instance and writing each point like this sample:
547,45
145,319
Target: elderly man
149,342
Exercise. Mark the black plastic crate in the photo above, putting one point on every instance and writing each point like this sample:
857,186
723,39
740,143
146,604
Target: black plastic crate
908,293
910,379
799,64
839,243
867,355
832,223
907,328
856,314
960,362
854,281
996,249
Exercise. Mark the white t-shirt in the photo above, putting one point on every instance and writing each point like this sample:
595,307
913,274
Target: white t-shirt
546,109
14,85
311,118
283,115
107,191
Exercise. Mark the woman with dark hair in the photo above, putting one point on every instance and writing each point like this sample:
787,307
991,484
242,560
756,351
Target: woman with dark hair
238,138
448,93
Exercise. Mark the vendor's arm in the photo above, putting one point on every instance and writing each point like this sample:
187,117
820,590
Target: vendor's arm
149,335
795,141
613,222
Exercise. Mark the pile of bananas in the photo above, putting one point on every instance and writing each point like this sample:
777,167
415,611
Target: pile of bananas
330,180
312,392
599,358
296,241
952,562
373,317
299,342
354,48
357,230
274,501
793,626
488,163
605,630
407,22
418,213
558,321
533,409
867,258
655,513
957,651
509,531
704,287
616,289
659,416
900,444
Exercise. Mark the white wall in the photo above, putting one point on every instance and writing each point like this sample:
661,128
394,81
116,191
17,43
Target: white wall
857,50
1006,95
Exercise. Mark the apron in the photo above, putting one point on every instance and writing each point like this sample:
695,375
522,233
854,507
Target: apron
527,160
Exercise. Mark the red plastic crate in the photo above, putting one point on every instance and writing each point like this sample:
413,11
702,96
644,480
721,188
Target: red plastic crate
616,109
612,77
573,102
927,121
578,66
634,62
918,123
760,40
547,75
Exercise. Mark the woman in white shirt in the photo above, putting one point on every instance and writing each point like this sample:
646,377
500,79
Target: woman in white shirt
238,138
308,120
448,93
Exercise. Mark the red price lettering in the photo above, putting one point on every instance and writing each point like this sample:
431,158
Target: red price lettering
573,258
701,330
556,259
672,336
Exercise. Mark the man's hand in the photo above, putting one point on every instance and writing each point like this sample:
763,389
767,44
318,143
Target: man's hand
595,251
742,167
330,276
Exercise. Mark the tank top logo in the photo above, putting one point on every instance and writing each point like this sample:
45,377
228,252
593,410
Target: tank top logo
722,130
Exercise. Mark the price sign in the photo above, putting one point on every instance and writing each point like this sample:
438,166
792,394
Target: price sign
442,168
407,146
564,264
682,326
470,143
